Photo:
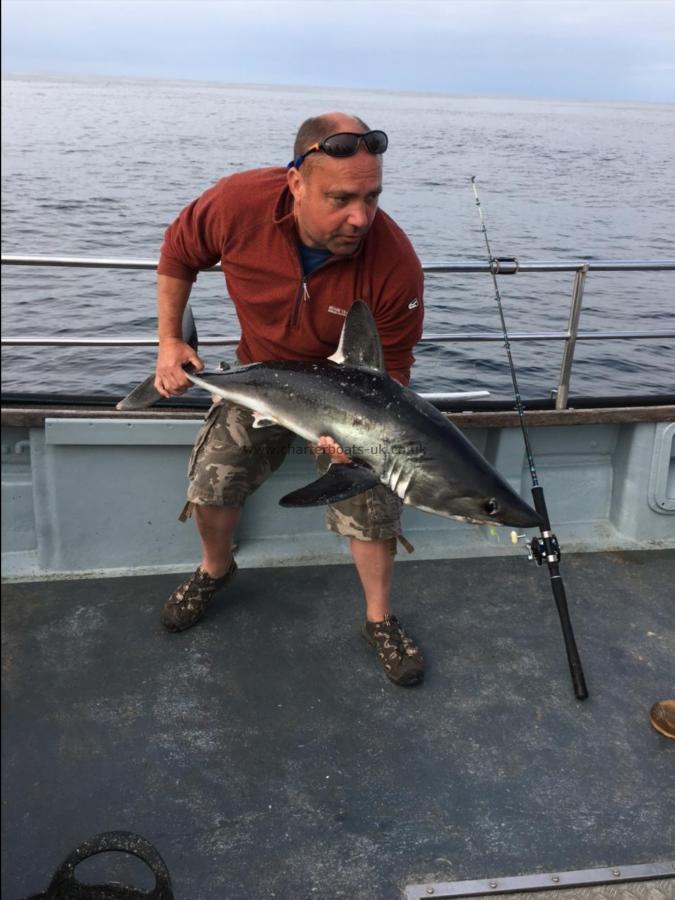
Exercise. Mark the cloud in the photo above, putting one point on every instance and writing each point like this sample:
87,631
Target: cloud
609,49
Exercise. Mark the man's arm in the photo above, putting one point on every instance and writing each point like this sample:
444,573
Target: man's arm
397,302
191,243
399,322
174,353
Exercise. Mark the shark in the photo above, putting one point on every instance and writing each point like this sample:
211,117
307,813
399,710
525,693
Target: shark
390,434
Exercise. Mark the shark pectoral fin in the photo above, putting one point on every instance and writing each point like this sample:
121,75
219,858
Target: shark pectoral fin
262,421
340,482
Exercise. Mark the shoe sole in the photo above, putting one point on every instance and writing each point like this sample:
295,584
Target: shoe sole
176,629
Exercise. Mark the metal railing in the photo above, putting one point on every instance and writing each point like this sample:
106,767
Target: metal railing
505,267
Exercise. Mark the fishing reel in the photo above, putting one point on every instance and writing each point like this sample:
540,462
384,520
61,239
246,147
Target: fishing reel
540,549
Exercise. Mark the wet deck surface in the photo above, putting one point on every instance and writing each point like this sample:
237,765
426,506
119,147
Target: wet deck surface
265,755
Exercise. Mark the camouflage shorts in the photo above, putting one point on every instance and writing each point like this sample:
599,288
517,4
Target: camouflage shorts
231,459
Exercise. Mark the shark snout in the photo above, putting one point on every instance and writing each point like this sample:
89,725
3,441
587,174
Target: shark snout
506,509
512,511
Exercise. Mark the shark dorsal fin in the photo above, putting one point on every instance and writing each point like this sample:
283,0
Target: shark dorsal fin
360,344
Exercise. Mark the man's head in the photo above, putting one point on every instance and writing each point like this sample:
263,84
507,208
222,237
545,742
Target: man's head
335,198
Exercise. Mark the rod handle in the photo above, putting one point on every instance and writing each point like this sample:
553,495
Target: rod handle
573,658
576,670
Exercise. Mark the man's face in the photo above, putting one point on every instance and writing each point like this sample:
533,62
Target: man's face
336,200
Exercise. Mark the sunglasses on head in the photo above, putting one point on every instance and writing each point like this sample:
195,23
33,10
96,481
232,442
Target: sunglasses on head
346,143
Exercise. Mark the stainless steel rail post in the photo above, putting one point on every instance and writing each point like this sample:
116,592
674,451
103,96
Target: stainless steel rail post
562,393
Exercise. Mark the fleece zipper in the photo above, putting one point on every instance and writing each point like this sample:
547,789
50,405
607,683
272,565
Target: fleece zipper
303,294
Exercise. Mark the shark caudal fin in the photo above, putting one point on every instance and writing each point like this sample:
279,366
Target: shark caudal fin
360,344
146,394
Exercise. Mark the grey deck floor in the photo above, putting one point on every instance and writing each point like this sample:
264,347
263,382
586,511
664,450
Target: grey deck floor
265,755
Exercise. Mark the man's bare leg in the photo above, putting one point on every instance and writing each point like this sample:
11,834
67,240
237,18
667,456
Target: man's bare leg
216,526
398,655
374,563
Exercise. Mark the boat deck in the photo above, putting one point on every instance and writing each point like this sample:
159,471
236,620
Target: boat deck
265,755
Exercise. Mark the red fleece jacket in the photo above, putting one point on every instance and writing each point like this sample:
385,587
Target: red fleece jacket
246,223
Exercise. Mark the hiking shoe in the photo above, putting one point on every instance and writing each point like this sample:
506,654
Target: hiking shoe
188,603
400,658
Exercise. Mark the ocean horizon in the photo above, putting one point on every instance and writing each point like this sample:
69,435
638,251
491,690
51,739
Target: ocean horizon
311,88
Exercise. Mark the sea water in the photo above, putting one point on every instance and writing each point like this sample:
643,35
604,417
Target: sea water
98,167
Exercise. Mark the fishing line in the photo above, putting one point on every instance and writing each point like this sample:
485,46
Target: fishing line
494,268
546,547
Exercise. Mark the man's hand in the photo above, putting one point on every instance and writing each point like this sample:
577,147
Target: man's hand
173,354
326,444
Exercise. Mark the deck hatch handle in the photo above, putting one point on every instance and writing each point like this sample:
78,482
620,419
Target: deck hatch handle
661,494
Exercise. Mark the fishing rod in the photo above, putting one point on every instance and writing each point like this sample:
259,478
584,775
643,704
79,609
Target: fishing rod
546,546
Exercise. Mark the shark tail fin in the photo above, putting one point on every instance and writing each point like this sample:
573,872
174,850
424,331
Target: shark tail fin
143,395
146,394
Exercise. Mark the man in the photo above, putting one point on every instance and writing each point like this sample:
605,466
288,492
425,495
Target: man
298,246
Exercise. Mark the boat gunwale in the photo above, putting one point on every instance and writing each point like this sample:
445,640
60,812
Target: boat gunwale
34,416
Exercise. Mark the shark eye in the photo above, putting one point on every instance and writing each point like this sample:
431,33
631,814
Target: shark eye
491,507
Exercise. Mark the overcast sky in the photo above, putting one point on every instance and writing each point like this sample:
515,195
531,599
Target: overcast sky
595,49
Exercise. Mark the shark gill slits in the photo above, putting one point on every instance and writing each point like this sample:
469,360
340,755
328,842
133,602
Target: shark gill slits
491,507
